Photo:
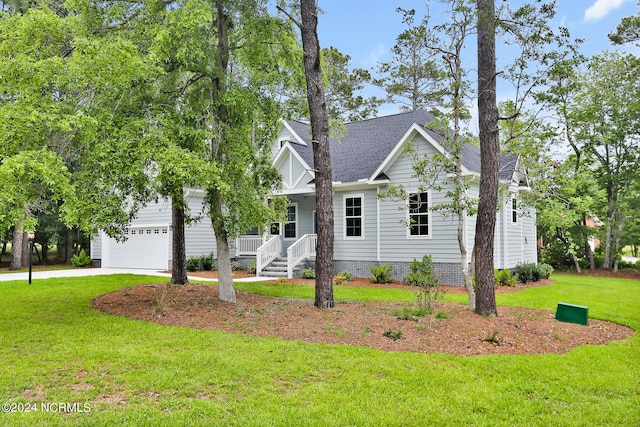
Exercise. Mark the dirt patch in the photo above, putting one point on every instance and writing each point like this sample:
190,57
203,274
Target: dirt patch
461,332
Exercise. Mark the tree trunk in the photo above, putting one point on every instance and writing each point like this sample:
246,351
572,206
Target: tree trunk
178,249
69,251
321,153
489,159
26,254
225,276
45,253
16,248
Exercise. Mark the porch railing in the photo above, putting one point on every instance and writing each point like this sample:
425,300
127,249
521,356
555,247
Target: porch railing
248,245
267,252
302,249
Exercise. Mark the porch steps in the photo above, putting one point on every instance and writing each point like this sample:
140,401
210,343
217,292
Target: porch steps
278,268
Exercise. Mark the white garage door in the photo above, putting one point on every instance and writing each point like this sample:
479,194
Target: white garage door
146,247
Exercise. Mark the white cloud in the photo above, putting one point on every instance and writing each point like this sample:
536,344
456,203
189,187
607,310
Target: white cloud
600,9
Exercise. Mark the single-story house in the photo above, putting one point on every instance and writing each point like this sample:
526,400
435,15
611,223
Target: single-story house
369,230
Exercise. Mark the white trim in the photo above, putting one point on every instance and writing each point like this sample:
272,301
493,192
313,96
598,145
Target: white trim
398,149
314,221
344,216
293,133
377,225
286,147
429,219
283,225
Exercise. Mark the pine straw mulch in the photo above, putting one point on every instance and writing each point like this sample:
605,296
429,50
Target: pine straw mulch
514,331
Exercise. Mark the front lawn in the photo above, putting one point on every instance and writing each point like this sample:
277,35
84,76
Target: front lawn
54,348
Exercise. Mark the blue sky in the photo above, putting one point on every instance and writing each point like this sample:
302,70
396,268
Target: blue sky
366,29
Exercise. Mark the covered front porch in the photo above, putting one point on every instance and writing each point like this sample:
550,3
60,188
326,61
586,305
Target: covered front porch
285,246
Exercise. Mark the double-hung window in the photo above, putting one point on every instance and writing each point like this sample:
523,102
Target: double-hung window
353,217
514,210
291,227
419,216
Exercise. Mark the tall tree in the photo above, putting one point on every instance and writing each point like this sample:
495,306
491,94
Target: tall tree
489,158
413,77
64,91
628,30
321,151
608,132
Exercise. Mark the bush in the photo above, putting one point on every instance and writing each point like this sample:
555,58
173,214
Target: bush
81,260
546,271
236,266
533,272
346,275
422,276
252,267
421,273
308,273
343,277
199,263
381,274
504,277
193,263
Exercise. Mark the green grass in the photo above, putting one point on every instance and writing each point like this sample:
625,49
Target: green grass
55,348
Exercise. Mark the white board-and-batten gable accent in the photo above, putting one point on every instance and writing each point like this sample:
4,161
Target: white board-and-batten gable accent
296,173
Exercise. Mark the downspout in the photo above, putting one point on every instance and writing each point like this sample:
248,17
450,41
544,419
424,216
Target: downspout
377,225
505,232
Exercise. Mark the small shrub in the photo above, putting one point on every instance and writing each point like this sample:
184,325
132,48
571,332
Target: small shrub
527,272
199,263
442,315
546,271
207,262
81,260
252,267
236,266
504,277
493,338
338,281
421,273
394,334
346,275
533,272
408,313
193,263
308,273
381,274
422,276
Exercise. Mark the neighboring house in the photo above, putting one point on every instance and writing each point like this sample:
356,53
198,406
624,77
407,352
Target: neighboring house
370,230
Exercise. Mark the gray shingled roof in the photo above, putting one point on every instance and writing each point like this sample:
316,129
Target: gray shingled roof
367,143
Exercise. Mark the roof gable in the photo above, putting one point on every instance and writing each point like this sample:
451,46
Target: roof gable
370,146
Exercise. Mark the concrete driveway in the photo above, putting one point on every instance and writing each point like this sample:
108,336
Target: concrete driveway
84,272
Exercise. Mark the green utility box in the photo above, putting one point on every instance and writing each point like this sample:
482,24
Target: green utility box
572,313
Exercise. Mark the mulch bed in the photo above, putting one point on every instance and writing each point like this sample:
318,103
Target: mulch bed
462,332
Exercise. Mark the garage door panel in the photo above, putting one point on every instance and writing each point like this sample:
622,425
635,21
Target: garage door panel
144,248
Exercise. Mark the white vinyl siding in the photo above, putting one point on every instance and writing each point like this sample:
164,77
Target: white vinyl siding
355,248
394,242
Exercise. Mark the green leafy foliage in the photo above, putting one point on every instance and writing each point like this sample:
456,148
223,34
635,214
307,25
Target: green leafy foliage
81,260
252,267
504,278
381,273
308,273
237,266
200,263
394,334
532,272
